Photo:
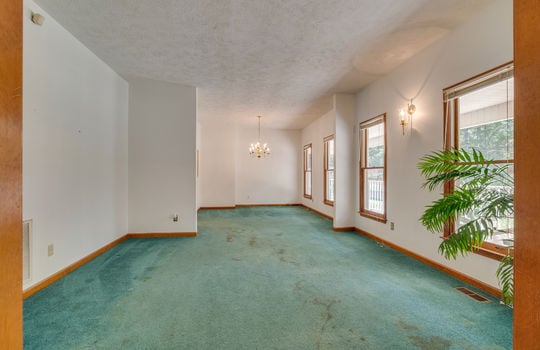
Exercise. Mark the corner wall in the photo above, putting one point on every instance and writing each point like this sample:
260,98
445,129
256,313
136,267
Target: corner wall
478,45
217,167
345,112
162,151
74,147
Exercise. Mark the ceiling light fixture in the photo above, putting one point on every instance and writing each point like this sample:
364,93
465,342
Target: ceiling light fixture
259,150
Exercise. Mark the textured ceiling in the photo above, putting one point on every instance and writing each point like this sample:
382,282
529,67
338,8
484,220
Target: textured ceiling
277,58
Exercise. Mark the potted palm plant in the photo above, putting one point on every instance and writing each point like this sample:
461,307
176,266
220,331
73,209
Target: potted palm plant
472,211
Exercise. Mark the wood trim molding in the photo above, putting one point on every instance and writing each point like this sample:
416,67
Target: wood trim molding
479,75
325,168
252,205
373,216
362,166
268,205
456,274
305,170
527,191
318,212
55,277
11,37
216,208
160,234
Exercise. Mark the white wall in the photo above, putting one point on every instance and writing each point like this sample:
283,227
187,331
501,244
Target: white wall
229,176
75,111
315,133
217,165
345,113
271,180
480,44
162,149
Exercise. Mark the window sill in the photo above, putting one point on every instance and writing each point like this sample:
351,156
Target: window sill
329,203
307,197
373,216
492,251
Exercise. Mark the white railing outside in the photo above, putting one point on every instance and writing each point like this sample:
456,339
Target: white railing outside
375,200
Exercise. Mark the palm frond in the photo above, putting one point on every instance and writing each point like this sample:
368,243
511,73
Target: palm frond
445,209
441,166
484,192
467,238
505,274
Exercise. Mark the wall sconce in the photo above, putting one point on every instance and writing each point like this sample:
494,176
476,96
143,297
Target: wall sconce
406,118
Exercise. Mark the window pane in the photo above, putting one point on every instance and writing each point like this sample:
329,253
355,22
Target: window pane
330,151
330,185
375,146
486,120
308,183
308,160
504,232
374,190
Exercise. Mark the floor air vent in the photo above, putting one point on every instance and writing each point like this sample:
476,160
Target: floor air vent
472,294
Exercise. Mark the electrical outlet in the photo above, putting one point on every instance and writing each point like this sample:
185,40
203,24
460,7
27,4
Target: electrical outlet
50,250
175,218
392,226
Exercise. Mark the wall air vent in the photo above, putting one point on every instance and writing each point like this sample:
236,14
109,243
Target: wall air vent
26,234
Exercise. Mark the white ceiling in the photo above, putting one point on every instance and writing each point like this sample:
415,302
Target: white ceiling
279,58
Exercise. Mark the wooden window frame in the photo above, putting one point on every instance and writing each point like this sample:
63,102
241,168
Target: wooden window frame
306,170
379,119
326,170
451,137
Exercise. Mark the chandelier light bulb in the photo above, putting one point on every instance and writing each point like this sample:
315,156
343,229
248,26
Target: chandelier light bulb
258,149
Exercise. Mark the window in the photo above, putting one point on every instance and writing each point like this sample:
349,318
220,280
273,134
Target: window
329,170
307,171
373,168
479,114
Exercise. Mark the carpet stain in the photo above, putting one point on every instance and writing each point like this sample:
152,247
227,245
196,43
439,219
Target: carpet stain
327,316
237,259
287,261
298,285
252,241
467,322
431,343
406,326
230,237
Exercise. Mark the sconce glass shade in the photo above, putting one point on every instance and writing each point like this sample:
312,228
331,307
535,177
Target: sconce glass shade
406,118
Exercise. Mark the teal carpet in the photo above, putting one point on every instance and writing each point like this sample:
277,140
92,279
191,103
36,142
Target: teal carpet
260,278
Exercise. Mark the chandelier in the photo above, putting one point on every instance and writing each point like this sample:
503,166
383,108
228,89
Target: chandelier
259,150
